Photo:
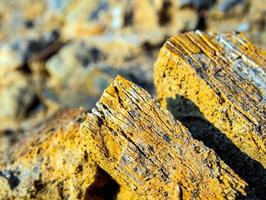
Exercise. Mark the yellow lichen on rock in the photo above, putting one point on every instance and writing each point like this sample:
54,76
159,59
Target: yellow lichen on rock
226,82
223,76
146,151
49,164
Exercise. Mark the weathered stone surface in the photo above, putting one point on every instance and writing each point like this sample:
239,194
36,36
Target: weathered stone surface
145,150
63,53
49,164
221,78
134,30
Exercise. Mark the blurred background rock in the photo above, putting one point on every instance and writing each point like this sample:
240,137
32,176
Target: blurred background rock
64,53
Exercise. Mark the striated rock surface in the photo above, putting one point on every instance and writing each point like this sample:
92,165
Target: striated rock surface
145,150
127,137
57,54
49,164
46,39
221,79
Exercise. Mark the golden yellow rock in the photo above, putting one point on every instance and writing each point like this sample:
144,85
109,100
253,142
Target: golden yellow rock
223,77
50,164
146,151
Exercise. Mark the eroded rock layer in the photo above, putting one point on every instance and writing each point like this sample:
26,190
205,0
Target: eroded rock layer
49,164
146,151
221,79
65,52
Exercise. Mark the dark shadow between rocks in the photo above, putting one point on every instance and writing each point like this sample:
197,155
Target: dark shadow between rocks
104,187
164,16
11,177
201,129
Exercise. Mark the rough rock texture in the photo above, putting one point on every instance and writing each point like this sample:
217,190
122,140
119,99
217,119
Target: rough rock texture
240,15
53,42
58,54
49,164
220,78
145,150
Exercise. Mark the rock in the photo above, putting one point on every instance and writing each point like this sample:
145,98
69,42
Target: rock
222,78
84,68
57,54
238,15
22,105
16,97
21,17
50,164
20,52
145,150
127,17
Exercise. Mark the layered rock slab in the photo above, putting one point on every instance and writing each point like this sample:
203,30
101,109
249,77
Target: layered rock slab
146,151
49,163
221,78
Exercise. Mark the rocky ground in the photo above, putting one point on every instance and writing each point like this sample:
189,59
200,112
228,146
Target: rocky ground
58,54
